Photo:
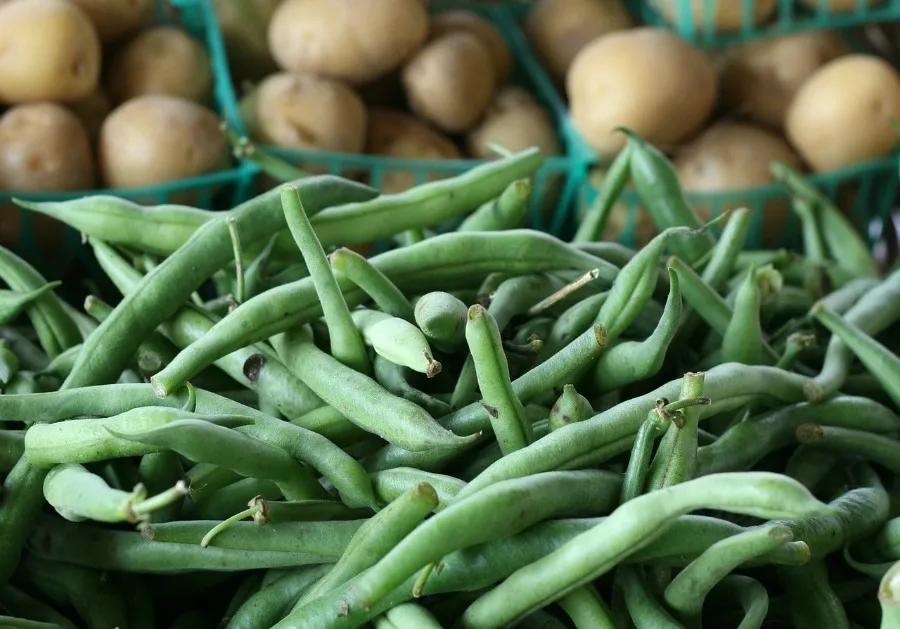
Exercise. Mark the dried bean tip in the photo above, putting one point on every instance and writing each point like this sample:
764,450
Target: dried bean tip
434,366
600,335
475,311
808,433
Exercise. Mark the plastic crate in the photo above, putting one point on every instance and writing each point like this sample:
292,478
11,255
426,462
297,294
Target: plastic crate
51,248
867,193
565,174
788,16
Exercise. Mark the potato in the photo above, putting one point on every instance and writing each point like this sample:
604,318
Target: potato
837,6
450,82
736,156
245,27
309,112
647,79
44,148
559,29
161,60
728,14
760,78
397,134
842,114
516,122
92,111
352,40
470,22
115,19
49,50
157,138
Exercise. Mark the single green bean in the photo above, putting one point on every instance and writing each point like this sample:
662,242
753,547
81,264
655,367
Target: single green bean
571,407
442,318
373,282
273,602
507,211
594,223
812,601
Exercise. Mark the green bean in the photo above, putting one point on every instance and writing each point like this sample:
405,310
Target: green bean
19,506
159,471
887,540
442,318
571,407
631,526
346,342
724,256
19,603
507,211
391,484
881,450
12,446
676,460
511,427
397,340
845,297
874,312
746,443
750,595
373,282
22,623
239,293
272,602
162,292
574,321
642,605
586,609
376,538
565,294
332,425
632,361
98,601
796,344
141,613
79,495
89,440
743,340
30,356
889,598
247,588
813,245
810,466
393,378
701,297
688,590
257,275
14,302
594,222
369,406
449,260
61,366
812,601
654,426
509,507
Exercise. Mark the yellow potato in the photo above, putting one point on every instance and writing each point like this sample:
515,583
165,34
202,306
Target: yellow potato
730,156
245,26
450,82
306,111
49,50
352,40
842,114
837,6
397,134
44,148
516,122
647,79
470,22
162,60
92,111
115,19
760,78
728,15
157,138
559,29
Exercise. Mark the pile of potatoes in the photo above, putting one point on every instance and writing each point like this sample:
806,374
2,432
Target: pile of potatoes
722,115
381,77
92,95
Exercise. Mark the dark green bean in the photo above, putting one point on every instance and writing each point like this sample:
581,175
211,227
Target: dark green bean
812,601
273,602
19,603
20,504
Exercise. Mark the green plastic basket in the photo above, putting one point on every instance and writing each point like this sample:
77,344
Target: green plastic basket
565,174
787,16
867,193
52,249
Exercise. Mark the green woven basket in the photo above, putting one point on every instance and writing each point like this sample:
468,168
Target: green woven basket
52,249
555,186
695,19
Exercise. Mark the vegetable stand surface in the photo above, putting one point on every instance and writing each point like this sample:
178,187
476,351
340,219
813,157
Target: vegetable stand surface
478,429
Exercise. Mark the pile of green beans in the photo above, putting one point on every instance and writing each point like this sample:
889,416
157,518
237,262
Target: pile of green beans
480,428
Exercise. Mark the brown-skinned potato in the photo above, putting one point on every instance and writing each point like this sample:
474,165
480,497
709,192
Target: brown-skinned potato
116,19
727,16
471,22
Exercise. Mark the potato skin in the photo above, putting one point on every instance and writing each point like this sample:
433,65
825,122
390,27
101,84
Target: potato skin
470,22
44,148
49,50
647,79
728,16
356,41
559,29
245,33
158,138
397,134
760,78
517,122
841,115
310,112
116,19
92,111
161,60
450,82
837,6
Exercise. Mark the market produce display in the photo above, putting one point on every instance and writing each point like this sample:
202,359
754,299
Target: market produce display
479,429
